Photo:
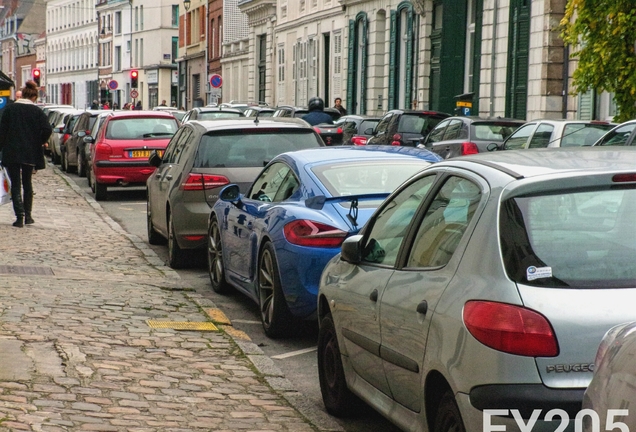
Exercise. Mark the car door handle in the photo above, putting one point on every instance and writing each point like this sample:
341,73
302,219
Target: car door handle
250,225
169,177
422,307
374,295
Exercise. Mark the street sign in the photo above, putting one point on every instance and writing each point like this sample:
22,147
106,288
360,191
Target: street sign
215,93
112,84
3,102
5,92
134,94
216,81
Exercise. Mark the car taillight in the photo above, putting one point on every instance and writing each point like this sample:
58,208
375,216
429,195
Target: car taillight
469,148
65,137
359,140
396,140
339,130
103,151
624,178
317,129
196,182
303,232
511,329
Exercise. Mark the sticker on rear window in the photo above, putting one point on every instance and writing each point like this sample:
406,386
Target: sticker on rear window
533,272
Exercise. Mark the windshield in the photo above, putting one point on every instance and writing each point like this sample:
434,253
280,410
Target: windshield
141,127
251,148
419,124
218,115
571,239
576,135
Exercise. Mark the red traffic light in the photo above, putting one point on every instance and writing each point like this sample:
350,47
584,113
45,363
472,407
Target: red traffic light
134,78
36,73
134,74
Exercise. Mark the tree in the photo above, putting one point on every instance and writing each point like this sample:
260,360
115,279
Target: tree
603,36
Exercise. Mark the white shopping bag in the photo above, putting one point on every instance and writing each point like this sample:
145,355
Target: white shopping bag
5,186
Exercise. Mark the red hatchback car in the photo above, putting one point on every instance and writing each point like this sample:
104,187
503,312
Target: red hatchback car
119,156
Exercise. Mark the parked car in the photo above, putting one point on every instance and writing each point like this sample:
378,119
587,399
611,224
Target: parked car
73,148
330,134
613,385
58,118
483,282
357,129
405,127
123,145
460,136
261,111
211,113
61,134
557,133
178,114
89,144
299,112
272,242
621,135
201,159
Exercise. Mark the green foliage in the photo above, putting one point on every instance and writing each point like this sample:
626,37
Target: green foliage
602,34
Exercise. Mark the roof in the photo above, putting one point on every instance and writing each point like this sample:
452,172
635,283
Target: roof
249,123
535,162
141,113
349,153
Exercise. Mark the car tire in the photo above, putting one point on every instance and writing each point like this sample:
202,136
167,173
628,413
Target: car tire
81,167
215,259
338,399
93,180
55,159
154,238
88,177
175,253
63,163
101,191
275,315
448,418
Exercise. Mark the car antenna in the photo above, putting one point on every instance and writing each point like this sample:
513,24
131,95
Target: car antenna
353,213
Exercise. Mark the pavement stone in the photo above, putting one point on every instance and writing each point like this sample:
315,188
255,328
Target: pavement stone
75,293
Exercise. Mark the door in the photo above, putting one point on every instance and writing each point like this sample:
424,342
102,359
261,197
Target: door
409,299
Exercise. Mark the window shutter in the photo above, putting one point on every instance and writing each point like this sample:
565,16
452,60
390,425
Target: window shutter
392,59
351,62
408,86
363,65
337,64
586,105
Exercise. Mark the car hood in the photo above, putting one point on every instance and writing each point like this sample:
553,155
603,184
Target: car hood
580,318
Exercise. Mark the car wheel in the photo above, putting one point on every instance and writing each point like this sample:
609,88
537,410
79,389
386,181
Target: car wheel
55,158
154,238
448,418
81,168
338,399
88,176
92,182
101,191
215,259
275,315
175,253
63,163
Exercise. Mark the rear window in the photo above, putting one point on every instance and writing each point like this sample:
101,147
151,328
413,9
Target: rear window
419,124
141,127
366,124
618,136
572,239
494,131
576,135
251,148
217,115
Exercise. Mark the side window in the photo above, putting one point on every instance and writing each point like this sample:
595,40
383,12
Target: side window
541,137
96,127
520,137
186,139
384,124
444,224
437,133
287,188
618,137
391,224
454,130
269,182
168,156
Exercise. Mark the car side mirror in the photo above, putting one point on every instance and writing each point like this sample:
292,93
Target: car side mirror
88,139
81,134
230,193
494,147
57,130
154,159
351,250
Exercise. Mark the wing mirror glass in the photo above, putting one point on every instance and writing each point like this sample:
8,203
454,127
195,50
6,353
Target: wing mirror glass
230,193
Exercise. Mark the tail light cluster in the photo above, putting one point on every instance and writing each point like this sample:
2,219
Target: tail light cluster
65,137
304,232
199,182
103,151
511,329
359,140
469,148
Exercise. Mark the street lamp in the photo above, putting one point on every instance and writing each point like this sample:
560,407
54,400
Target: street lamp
186,4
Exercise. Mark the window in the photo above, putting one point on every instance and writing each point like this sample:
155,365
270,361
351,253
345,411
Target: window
519,139
141,17
541,137
269,182
620,136
175,16
281,63
337,64
262,59
444,224
117,22
117,58
390,225
175,48
141,52
384,124
454,131
136,18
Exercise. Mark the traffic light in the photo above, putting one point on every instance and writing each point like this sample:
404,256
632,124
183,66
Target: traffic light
36,77
134,79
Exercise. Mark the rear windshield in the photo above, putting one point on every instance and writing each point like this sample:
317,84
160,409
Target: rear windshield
576,135
141,127
417,123
218,115
494,131
366,124
251,148
571,239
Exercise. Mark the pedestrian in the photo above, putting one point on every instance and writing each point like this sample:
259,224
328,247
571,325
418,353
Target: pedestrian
18,95
138,106
338,105
317,114
94,105
106,106
163,103
174,104
115,105
24,130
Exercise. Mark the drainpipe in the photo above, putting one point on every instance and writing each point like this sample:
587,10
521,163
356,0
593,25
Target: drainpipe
417,62
566,73
493,58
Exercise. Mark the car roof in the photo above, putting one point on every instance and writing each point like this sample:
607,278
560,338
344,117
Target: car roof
141,113
349,153
545,161
250,123
428,112
561,121
217,109
488,119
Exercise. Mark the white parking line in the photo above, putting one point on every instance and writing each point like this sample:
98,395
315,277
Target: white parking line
294,353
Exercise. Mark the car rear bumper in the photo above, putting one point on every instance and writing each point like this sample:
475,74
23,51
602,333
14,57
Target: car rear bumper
122,173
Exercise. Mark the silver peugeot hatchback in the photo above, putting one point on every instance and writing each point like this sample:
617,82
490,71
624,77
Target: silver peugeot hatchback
483,283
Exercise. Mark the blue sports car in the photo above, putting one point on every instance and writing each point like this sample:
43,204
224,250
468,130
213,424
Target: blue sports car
273,242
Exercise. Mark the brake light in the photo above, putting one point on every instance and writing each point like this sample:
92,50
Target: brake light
359,140
103,151
65,137
317,129
396,140
303,232
511,329
624,178
469,148
196,182
339,130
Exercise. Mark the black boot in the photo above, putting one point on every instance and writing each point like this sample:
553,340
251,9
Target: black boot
19,222
28,220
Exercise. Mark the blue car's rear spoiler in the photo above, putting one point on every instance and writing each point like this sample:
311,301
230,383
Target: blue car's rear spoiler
318,202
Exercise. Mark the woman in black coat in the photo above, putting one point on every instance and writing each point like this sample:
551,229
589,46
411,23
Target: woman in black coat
24,130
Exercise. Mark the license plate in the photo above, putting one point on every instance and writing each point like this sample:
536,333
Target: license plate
143,153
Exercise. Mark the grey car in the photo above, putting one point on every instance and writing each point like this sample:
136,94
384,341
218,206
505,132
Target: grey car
484,282
202,158
557,133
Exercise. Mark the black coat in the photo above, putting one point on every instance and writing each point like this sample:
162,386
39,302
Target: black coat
317,117
24,129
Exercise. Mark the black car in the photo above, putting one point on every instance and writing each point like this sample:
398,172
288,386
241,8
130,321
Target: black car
299,112
405,127
459,136
73,148
212,113
260,111
357,129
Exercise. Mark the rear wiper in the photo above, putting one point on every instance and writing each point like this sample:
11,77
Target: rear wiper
153,134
